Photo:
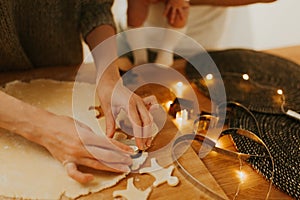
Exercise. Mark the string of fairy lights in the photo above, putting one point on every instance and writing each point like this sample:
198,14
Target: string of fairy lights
279,91
209,78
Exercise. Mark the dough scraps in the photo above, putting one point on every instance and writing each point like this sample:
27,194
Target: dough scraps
132,193
27,170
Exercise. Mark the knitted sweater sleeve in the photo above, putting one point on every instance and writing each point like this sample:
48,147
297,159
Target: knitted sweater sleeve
95,13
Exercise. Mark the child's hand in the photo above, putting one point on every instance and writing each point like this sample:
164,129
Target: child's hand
175,8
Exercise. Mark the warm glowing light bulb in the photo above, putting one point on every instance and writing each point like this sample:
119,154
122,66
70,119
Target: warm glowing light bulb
185,115
279,91
209,76
178,119
179,87
218,143
246,77
179,84
178,115
241,175
168,105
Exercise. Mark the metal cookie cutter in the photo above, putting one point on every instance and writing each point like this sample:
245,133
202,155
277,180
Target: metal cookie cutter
131,143
204,122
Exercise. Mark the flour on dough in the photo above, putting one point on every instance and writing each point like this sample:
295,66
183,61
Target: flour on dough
132,193
160,174
27,170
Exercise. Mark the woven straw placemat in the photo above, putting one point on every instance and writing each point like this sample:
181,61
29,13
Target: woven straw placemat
279,132
282,136
266,72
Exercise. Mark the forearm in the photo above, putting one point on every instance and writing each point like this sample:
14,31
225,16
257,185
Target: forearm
228,2
104,51
22,118
70,142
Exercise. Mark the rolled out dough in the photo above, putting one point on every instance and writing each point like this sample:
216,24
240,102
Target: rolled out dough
27,170
132,193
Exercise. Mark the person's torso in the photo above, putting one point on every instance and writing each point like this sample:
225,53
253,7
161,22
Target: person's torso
39,33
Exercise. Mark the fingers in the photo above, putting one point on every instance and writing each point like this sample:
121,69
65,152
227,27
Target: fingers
176,15
90,139
143,143
147,120
170,13
167,9
109,156
95,164
151,102
142,122
173,15
122,146
110,124
83,178
180,13
136,110
74,173
176,12
137,125
109,159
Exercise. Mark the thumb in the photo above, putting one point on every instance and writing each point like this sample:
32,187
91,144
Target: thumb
74,173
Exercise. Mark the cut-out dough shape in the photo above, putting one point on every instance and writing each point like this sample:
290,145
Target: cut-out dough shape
137,162
160,174
132,193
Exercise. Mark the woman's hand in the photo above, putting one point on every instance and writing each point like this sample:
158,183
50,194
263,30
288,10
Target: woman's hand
74,144
68,140
113,99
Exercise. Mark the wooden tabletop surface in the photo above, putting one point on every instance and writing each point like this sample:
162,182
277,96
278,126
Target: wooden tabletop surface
217,172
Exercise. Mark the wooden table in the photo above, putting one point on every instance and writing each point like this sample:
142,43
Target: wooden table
220,174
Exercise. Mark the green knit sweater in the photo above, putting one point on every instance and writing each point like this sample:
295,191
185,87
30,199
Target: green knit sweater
39,33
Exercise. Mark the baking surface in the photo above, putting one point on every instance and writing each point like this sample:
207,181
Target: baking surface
184,190
218,171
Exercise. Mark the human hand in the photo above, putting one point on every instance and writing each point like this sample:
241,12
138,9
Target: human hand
176,10
113,99
69,141
73,143
136,108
